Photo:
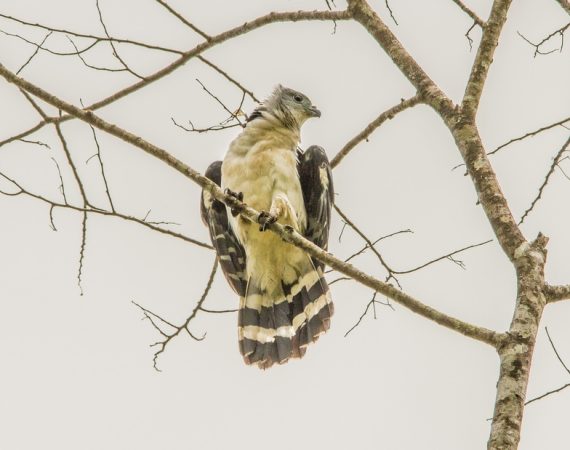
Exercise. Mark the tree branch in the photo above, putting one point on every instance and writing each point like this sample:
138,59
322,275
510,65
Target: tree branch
65,205
529,134
484,57
555,162
557,293
177,329
182,19
516,352
286,233
427,89
470,13
537,46
186,56
365,134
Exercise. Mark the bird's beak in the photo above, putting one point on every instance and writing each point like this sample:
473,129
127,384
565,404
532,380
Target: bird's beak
314,111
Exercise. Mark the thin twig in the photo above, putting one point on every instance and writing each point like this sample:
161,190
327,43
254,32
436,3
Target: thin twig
54,204
229,78
112,44
61,185
390,11
101,165
230,112
217,311
537,46
447,256
71,164
556,351
34,53
373,302
545,182
370,245
177,329
469,12
364,134
82,252
183,20
184,56
529,134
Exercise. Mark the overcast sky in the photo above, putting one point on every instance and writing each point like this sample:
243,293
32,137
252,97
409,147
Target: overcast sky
77,369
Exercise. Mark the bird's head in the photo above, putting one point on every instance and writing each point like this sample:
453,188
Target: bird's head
291,107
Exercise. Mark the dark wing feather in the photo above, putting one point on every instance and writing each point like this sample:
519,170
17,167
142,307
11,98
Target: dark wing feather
318,193
231,254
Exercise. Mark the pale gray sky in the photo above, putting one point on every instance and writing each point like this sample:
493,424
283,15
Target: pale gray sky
77,370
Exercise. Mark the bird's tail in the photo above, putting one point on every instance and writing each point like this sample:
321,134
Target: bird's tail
275,326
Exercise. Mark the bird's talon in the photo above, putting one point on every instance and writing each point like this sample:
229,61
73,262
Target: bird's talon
265,219
237,196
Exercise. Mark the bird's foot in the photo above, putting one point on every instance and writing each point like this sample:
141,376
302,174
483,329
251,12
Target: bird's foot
236,195
265,219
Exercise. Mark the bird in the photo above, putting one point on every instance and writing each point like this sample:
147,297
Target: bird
284,300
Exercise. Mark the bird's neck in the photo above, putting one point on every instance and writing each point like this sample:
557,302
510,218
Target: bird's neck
270,128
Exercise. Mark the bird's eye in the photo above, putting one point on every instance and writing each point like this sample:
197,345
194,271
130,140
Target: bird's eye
298,98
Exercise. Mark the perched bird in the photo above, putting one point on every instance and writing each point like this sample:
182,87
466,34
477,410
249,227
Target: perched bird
285,302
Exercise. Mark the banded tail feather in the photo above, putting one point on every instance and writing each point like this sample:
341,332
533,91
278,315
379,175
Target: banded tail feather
276,326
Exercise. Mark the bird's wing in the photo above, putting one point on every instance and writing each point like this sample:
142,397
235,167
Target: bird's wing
231,254
318,194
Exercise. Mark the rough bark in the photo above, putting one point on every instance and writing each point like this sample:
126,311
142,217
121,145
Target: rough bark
516,352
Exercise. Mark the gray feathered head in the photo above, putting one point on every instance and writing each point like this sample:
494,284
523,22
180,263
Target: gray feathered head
291,107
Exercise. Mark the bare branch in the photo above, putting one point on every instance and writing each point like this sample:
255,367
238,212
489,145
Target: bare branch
537,46
557,293
431,94
545,182
40,143
390,11
561,388
286,233
484,57
98,155
381,238
183,20
61,185
96,39
82,252
556,351
468,36
193,129
229,78
72,165
369,244
447,256
218,311
529,134
563,365
233,115
365,134
91,66
115,52
476,19
54,204
34,53
372,303
35,105
185,56
177,329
